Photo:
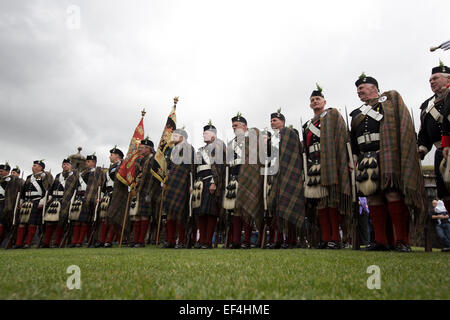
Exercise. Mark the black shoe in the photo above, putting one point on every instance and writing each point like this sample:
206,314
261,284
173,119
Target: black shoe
333,245
26,246
323,245
235,246
180,246
446,249
99,244
53,246
197,246
246,246
108,245
275,246
139,245
168,246
376,247
78,245
131,245
16,246
402,247
45,246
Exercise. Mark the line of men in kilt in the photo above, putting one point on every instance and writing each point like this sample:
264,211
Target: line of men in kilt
228,190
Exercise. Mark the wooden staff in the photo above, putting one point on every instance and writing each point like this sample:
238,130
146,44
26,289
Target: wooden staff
160,214
125,218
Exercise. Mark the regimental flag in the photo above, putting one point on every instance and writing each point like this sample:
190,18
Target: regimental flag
159,167
127,170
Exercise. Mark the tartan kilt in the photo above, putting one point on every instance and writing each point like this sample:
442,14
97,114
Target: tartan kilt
117,204
87,212
210,204
442,191
2,209
63,214
36,214
176,193
151,208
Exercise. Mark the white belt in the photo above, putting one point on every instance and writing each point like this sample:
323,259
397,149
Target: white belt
33,193
367,110
203,168
314,129
314,148
368,138
58,193
207,177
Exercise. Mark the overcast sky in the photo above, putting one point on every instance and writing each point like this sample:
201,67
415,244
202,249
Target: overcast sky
77,73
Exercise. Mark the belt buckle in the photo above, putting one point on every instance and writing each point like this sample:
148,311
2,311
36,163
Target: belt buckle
316,147
367,139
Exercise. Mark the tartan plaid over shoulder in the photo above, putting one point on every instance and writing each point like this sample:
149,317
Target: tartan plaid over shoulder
399,161
334,174
286,195
249,198
147,186
118,203
176,193
12,189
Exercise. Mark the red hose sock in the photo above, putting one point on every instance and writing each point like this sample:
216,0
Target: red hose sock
103,231
76,233
30,234
171,235
49,229
59,235
237,229
378,216
143,233
247,232
137,231
325,226
212,221
398,212
335,219
181,233
20,236
83,231
203,228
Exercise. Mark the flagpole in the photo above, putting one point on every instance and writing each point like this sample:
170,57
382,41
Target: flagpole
175,101
125,218
127,208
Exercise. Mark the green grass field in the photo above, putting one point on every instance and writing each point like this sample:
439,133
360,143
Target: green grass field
150,273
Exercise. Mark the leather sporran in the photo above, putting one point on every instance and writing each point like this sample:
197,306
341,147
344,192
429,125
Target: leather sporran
367,174
75,210
25,211
52,212
197,194
229,198
313,188
104,204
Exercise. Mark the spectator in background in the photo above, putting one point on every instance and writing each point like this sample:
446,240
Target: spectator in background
440,215
363,221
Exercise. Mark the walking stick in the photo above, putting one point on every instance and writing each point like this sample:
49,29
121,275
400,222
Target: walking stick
160,214
14,226
263,239
41,236
125,218
355,206
190,219
94,223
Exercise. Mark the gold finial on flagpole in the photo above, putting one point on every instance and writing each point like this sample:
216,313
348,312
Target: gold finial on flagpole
143,112
175,101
